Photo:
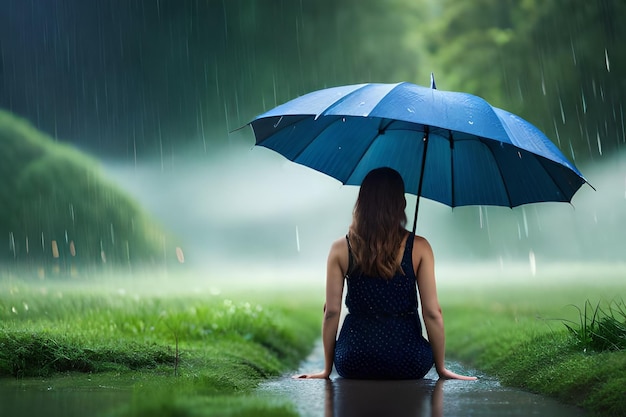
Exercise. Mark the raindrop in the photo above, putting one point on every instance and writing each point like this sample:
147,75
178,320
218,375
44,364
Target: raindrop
532,262
556,132
281,119
606,60
582,95
179,255
410,110
525,221
298,238
599,142
471,122
12,244
562,111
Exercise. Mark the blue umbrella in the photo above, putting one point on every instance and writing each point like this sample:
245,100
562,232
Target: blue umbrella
450,147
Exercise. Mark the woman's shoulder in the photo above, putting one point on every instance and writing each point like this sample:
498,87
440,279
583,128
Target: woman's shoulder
421,243
340,245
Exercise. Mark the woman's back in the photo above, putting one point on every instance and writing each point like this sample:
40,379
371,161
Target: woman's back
381,337
374,295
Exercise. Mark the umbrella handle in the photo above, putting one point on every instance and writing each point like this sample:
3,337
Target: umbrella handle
421,181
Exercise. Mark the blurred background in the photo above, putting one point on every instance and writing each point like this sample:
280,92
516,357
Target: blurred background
120,141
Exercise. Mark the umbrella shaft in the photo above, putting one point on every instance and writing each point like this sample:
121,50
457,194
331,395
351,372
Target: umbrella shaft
421,181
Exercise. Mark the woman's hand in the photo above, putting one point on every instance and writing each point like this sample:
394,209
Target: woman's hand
318,375
446,374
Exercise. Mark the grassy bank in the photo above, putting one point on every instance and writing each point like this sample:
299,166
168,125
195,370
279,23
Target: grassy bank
191,353
514,328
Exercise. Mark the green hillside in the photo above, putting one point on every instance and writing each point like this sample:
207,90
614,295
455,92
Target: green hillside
58,212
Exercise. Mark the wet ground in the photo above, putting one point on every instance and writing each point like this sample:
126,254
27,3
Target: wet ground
339,397
85,395
77,395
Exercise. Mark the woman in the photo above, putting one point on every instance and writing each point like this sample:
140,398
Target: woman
381,262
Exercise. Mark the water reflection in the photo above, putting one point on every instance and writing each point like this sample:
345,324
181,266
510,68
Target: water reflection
358,398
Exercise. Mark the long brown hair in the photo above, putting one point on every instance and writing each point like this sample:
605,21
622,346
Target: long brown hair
378,222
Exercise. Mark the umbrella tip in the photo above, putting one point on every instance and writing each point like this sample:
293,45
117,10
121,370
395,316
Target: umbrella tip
432,81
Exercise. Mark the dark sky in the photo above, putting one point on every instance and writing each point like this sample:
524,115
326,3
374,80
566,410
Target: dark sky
123,76
128,78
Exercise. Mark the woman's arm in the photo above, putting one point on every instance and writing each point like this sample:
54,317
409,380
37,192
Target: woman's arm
424,259
336,267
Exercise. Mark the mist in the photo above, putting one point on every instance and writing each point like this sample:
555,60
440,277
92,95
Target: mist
247,209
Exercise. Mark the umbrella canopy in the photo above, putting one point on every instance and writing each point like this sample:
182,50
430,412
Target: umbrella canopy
450,147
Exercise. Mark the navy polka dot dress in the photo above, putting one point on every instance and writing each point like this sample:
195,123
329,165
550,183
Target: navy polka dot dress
381,337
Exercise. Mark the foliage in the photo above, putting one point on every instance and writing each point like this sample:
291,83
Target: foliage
600,329
227,345
39,354
555,63
58,209
504,332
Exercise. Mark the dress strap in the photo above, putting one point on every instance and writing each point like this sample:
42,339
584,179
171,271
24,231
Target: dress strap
408,246
407,257
350,258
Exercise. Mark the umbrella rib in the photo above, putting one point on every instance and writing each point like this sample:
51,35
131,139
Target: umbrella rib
296,156
451,140
341,100
366,148
506,189
541,161
283,126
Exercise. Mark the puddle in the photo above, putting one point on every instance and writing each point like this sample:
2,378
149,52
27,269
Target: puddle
339,397
74,395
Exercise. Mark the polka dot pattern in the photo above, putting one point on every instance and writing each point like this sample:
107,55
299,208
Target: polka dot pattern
381,337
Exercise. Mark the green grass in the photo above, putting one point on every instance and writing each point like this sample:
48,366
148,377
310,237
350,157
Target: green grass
534,334
191,353
202,351
600,328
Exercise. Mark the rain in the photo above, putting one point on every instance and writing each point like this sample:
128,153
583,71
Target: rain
144,105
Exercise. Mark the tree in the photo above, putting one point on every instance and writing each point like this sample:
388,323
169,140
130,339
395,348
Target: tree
555,63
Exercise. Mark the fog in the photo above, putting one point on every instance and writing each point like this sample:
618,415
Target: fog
246,209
